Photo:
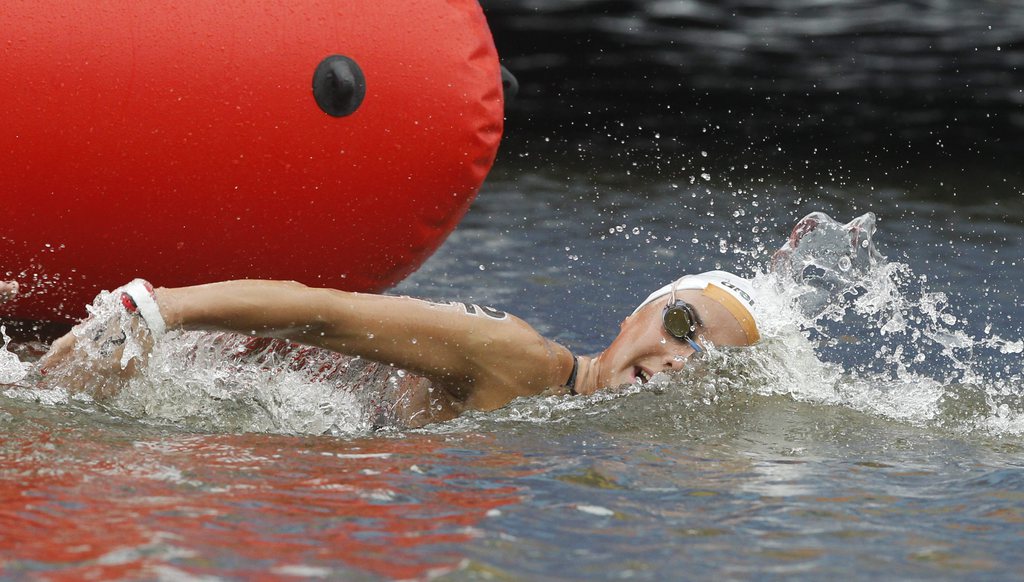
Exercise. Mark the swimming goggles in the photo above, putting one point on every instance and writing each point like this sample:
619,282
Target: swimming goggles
680,321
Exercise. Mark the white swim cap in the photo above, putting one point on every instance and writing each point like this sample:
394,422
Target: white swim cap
734,293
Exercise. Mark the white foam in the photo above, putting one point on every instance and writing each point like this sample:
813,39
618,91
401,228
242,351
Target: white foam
12,369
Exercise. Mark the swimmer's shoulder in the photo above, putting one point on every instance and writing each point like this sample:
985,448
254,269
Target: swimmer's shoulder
487,324
520,362
508,357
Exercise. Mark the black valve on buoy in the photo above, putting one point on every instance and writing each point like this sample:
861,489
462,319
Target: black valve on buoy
339,86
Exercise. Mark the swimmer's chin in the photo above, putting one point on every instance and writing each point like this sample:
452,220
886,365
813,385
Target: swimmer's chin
657,382
639,382
633,376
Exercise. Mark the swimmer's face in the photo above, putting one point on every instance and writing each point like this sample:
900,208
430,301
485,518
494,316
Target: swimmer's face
644,347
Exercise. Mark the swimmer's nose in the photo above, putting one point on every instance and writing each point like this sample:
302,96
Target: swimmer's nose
678,361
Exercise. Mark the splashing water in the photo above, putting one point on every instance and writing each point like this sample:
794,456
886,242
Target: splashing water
843,326
237,383
866,333
824,259
12,370
220,382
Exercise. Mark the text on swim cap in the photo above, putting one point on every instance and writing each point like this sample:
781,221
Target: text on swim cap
746,296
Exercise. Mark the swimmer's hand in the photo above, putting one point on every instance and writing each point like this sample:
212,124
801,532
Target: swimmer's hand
59,352
104,347
92,357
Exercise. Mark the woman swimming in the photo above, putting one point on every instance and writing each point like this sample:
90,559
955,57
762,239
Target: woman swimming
474,357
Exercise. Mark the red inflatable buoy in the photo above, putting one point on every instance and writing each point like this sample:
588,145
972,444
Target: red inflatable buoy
332,142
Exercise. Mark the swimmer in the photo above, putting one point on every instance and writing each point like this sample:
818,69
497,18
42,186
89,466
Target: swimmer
475,358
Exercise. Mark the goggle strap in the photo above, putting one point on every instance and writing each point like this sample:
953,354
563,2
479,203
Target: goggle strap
693,344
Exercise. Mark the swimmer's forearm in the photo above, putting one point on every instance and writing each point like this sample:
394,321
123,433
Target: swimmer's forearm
382,328
277,308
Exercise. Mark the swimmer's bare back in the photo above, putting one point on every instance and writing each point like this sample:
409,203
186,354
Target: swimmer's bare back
476,357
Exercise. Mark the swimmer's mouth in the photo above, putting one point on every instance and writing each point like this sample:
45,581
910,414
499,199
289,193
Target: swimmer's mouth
641,375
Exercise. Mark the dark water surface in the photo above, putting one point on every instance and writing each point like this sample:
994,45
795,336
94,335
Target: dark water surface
943,74
797,459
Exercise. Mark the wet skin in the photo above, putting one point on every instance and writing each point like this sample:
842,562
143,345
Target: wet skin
644,347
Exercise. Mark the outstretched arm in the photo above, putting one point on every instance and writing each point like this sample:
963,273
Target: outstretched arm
483,357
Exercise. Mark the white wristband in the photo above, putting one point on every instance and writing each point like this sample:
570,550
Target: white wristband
140,292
